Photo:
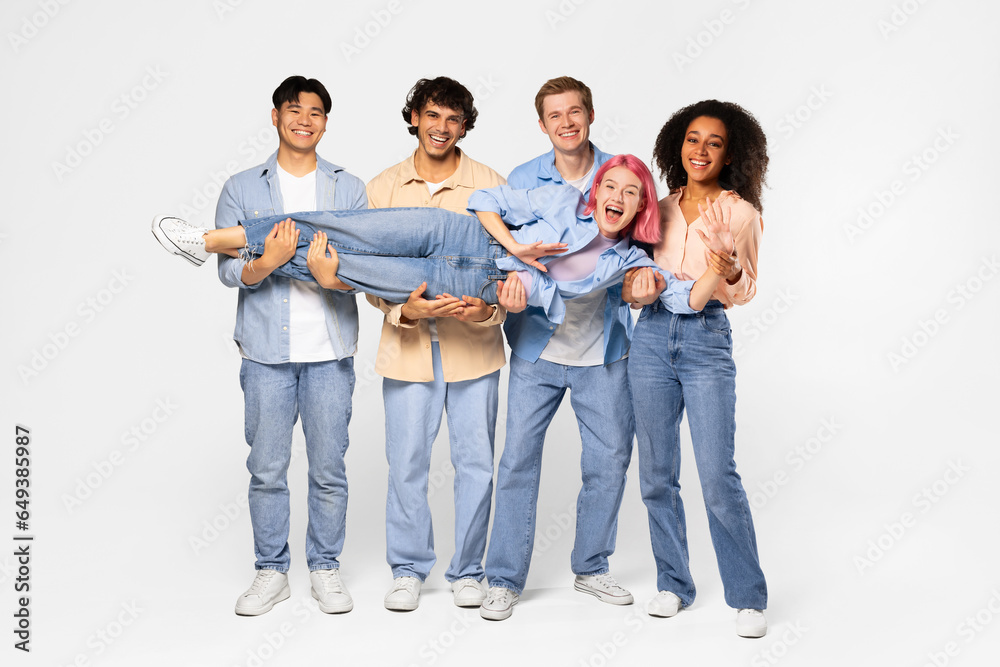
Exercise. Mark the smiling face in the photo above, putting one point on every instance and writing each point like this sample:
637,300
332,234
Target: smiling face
567,122
438,129
704,151
301,123
619,197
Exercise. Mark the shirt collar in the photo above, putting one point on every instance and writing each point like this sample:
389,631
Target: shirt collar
461,178
270,166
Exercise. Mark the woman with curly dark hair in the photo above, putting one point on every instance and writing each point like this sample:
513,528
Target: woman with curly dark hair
708,152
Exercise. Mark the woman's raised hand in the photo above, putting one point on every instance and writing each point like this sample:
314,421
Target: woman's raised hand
716,219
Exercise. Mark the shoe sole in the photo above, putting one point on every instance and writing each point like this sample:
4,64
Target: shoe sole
499,614
661,614
469,603
169,245
401,606
285,593
602,596
753,633
332,608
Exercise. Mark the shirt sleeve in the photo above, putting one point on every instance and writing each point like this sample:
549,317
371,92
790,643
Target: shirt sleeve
748,231
227,214
547,206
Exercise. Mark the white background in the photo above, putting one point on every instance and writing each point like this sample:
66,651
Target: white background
116,111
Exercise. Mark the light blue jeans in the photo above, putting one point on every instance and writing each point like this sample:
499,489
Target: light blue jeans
412,420
389,252
275,395
600,398
678,362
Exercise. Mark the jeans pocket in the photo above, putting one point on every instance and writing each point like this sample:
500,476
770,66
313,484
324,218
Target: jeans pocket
715,320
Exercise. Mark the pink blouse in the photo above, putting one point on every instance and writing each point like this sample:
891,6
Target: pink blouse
682,252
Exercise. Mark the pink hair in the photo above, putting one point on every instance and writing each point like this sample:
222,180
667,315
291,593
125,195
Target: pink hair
645,227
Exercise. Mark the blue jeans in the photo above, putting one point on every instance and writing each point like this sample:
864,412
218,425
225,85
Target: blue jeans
412,420
388,252
275,395
600,398
678,362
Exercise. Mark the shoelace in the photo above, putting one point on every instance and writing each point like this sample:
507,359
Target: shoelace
331,582
608,581
404,584
261,581
501,595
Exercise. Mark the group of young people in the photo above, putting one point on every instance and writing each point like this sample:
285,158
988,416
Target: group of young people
562,250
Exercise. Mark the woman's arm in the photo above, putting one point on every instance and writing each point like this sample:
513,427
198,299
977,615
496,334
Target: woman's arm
502,207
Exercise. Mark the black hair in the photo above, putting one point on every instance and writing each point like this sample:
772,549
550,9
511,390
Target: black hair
293,86
441,91
746,149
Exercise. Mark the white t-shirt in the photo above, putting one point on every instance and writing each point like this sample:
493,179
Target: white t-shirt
579,340
309,339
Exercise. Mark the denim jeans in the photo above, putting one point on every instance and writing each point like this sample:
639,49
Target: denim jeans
678,362
600,398
388,252
412,420
275,395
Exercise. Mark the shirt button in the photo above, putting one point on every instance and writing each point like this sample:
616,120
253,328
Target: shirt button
285,300
284,328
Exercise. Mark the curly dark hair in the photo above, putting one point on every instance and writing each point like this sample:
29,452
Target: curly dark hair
747,149
444,92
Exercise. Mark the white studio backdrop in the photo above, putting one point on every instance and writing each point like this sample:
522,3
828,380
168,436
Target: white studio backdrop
867,361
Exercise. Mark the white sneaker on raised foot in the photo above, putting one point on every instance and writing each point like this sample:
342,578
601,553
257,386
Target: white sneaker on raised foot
603,587
664,605
499,604
268,588
330,591
468,592
751,623
404,594
181,238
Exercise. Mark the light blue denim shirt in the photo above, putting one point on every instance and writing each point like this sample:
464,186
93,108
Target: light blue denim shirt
262,312
554,214
542,171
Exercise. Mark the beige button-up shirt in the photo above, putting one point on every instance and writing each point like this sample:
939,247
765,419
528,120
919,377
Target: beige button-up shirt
468,349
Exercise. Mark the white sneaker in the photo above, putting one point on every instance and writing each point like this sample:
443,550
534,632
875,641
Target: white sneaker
664,605
499,604
268,588
330,592
404,594
181,238
751,623
468,592
603,587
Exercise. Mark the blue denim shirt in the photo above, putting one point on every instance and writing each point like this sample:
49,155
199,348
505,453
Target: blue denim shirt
554,214
542,171
262,311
